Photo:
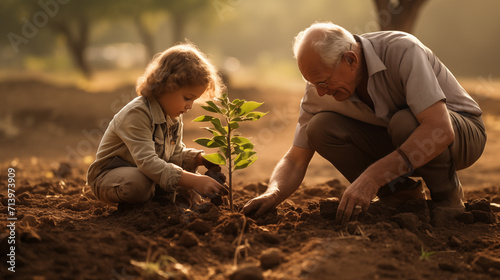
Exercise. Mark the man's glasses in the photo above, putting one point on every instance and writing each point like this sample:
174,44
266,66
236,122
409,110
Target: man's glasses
325,84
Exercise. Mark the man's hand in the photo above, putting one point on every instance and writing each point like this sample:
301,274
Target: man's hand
260,204
286,178
356,199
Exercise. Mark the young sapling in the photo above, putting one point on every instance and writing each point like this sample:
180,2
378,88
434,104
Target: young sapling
234,151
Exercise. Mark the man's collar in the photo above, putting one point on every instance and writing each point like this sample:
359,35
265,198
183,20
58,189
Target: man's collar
373,62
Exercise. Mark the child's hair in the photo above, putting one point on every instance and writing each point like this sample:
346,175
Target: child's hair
179,66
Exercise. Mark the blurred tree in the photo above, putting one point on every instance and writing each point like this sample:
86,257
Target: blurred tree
73,20
180,12
22,32
70,20
398,14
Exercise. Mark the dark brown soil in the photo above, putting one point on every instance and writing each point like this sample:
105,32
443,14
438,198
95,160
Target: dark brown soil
64,233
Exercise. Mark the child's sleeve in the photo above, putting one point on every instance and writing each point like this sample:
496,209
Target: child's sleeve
184,157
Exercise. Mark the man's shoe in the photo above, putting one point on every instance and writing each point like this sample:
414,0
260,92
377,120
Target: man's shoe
400,197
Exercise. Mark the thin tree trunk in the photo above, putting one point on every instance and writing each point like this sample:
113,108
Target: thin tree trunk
145,34
77,43
230,166
178,27
401,15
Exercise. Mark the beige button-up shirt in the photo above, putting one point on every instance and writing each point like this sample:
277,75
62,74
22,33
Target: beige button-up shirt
402,73
140,135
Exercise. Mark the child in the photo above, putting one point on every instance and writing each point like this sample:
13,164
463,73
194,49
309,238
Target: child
142,147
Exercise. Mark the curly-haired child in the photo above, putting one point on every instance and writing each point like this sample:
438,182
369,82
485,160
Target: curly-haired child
142,148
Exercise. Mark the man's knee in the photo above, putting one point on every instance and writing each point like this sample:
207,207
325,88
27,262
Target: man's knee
320,128
401,126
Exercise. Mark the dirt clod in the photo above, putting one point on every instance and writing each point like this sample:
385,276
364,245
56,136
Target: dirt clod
487,262
483,216
352,227
479,204
466,218
29,220
328,207
200,226
249,272
188,239
407,220
217,200
270,258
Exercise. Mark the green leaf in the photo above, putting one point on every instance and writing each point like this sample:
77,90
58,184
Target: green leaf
224,100
213,108
209,143
216,158
208,108
243,156
234,125
245,163
247,146
238,148
253,116
237,103
217,124
203,118
221,139
241,144
248,107
213,131
223,150
240,140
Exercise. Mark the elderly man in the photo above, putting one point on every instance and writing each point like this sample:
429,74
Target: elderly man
380,107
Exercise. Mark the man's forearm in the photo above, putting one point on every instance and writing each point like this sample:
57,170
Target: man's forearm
286,179
394,165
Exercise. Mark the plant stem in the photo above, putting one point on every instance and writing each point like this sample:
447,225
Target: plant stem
230,167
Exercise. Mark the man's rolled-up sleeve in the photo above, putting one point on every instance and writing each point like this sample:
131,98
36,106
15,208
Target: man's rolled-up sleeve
300,139
419,80
136,130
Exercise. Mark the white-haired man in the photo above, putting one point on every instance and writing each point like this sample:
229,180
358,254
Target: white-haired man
380,107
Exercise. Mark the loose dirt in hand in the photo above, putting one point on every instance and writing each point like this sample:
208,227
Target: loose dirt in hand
63,232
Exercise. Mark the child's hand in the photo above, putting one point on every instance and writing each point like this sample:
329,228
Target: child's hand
202,184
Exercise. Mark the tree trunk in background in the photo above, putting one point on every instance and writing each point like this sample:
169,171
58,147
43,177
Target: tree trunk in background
146,37
77,42
178,23
398,15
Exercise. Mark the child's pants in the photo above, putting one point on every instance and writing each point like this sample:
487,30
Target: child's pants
131,186
123,185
